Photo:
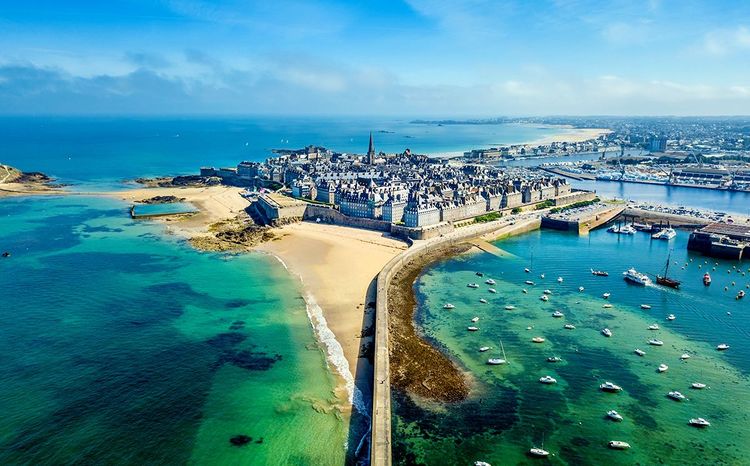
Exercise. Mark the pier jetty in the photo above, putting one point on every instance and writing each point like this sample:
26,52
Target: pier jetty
582,220
724,240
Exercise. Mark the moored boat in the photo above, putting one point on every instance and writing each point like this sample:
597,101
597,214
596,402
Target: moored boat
544,297
662,368
599,273
538,339
509,307
699,422
475,319
558,314
607,332
685,356
671,317
675,395
610,387
618,445
722,347
706,279
482,300
655,342
698,385
547,379
639,352
614,415
554,359
490,281
448,306
472,328
606,295
484,348
496,361
492,290
539,452
653,327
472,285
569,326
645,306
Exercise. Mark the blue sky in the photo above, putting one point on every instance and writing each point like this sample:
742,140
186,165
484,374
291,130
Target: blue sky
410,57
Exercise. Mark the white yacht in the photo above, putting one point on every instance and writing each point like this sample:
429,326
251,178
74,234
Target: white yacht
482,300
448,306
645,306
699,422
526,270
492,290
484,348
636,277
685,356
614,415
541,276
662,368
606,295
472,328
524,291
610,387
671,317
675,395
639,352
559,279
554,359
538,339
496,361
655,342
558,314
580,288
475,319
607,306
547,291
622,229
653,327
529,282
481,463
698,385
722,347
510,307
665,234
539,452
569,326
490,281
618,445
607,332
547,379
544,297
473,285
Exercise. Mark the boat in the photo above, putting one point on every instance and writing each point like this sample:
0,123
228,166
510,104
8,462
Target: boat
559,279
607,306
524,291
480,274
606,295
741,294
618,445
539,452
665,234
706,279
526,270
599,273
538,339
554,359
490,281
544,297
475,319
448,306
569,326
558,314
671,317
472,328
547,379
621,229
636,277
610,387
653,327
580,288
492,290
664,280
547,291
662,368
639,352
481,463
509,307
484,348
607,332
529,282
685,356
677,396
722,347
698,385
6,254
473,285
541,276
482,300
496,361
645,306
699,422
614,415
655,342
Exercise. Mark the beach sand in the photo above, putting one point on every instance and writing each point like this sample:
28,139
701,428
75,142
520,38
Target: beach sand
338,266
575,135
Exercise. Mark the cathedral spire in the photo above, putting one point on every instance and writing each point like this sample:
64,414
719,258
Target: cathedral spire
371,152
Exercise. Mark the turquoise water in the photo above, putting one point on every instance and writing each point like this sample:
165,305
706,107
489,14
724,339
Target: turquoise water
509,411
121,346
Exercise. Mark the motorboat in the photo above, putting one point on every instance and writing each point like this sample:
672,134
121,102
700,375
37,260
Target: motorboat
740,294
662,368
492,290
610,387
538,339
496,361
606,295
527,270
607,306
685,356
607,332
490,281
480,274
524,291
569,326
482,300
554,359
614,415
636,277
706,279
599,273
653,327
472,328
621,229
698,385
639,352
722,347
448,306
618,445
509,307
559,279
547,291
665,234
580,288
484,348
558,314
475,319
481,463
671,317
529,282
547,379
473,285
544,297
541,276
675,395
655,342
645,306
699,422
539,452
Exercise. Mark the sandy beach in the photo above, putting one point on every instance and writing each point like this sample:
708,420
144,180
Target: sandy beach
574,135
338,266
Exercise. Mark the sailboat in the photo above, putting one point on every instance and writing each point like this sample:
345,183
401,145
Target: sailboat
664,280
498,361
539,452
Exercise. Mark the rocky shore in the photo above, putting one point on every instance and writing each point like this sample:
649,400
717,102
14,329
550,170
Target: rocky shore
161,200
417,367
237,234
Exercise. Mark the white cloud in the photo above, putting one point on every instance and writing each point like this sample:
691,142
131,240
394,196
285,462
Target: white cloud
726,41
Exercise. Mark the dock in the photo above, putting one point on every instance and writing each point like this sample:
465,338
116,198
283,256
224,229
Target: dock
582,222
724,240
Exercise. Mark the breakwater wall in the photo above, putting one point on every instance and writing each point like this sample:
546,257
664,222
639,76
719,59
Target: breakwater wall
380,442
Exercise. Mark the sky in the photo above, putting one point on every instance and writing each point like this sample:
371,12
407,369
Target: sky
446,58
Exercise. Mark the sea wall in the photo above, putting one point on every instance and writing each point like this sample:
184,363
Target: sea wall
329,215
380,447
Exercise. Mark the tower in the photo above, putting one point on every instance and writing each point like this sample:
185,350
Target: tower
371,152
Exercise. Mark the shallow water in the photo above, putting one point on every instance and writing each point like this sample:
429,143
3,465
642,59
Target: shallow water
122,346
509,411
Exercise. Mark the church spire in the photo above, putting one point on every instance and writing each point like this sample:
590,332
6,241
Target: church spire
371,152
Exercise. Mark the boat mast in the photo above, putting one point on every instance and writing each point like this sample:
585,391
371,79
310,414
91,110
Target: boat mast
503,348
666,269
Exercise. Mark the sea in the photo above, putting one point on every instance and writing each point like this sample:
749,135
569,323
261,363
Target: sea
123,345
509,411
